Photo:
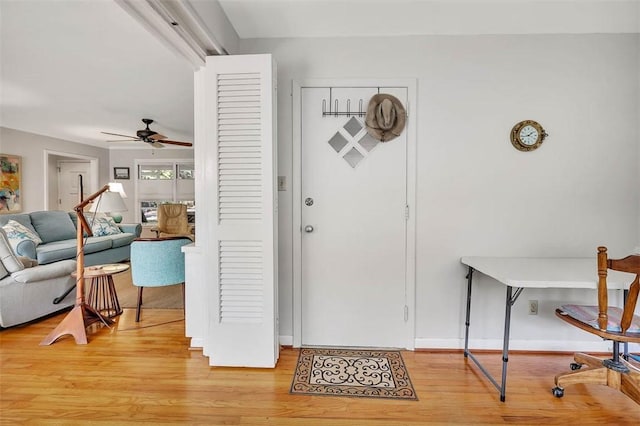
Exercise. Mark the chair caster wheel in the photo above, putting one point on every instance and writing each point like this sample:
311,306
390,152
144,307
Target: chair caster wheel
558,392
575,366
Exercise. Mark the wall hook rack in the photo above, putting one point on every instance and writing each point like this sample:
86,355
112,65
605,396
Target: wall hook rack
335,111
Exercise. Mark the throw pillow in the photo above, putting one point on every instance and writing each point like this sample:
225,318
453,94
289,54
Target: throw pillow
7,256
17,232
102,226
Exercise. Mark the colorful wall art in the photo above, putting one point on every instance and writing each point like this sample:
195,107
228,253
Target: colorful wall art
10,192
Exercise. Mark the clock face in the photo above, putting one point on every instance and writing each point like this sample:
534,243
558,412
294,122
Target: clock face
528,135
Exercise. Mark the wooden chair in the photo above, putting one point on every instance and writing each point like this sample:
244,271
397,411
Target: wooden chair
157,262
173,221
610,323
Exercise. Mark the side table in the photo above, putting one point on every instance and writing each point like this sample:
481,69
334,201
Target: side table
102,291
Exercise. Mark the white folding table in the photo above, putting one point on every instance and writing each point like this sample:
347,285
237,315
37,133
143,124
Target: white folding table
520,273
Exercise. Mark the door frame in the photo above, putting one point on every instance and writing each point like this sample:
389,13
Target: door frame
92,185
411,166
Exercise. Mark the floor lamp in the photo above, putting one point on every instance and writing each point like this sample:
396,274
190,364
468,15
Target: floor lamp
82,315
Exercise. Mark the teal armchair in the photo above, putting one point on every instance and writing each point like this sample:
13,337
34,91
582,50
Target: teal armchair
157,262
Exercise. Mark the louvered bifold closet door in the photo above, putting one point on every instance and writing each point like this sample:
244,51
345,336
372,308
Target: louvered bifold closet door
241,107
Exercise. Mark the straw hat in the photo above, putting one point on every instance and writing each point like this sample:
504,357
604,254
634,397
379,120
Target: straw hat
385,117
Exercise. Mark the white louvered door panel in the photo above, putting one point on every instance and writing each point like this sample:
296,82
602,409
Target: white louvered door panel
239,147
241,169
241,282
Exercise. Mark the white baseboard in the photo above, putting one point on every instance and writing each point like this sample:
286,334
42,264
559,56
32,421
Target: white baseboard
517,345
496,344
197,343
487,344
285,340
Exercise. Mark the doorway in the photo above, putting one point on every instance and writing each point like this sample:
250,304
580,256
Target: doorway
53,186
69,185
354,284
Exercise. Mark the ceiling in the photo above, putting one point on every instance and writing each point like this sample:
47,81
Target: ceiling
70,69
349,18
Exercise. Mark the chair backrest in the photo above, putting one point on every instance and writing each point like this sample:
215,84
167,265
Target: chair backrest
629,264
173,219
157,262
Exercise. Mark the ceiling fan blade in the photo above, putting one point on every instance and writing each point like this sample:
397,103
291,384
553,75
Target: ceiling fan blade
177,143
157,137
117,134
156,144
123,140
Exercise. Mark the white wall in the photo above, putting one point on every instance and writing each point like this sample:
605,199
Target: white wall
477,195
32,147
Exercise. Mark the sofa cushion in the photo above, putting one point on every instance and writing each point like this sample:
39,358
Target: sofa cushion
89,217
17,232
56,251
53,225
22,218
7,256
94,244
66,249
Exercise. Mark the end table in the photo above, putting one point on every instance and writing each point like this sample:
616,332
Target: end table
102,291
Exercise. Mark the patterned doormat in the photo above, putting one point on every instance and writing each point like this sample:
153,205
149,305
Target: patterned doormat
352,372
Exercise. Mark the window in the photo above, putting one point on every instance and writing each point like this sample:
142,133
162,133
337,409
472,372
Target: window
164,181
156,172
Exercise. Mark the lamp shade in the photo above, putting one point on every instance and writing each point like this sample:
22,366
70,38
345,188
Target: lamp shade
108,202
117,187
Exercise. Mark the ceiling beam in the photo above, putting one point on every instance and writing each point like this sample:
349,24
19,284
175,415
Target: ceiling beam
176,24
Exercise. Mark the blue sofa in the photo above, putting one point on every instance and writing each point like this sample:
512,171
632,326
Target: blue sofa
27,291
57,230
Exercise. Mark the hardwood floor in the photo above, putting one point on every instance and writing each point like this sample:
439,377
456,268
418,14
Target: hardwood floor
144,373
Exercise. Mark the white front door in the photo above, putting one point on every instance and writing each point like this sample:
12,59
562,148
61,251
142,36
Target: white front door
353,220
68,183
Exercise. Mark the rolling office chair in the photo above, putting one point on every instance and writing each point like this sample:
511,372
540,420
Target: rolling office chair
610,323
157,262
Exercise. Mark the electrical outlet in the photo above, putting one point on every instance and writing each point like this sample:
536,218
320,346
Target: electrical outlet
533,307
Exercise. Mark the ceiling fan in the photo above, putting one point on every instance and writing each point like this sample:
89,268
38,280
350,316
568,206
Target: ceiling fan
148,136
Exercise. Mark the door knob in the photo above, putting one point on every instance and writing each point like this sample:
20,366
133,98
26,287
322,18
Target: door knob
308,228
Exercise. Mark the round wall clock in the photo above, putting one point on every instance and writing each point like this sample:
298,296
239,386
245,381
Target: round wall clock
527,135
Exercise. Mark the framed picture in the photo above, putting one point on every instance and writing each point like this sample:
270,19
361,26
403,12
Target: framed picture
10,184
121,173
